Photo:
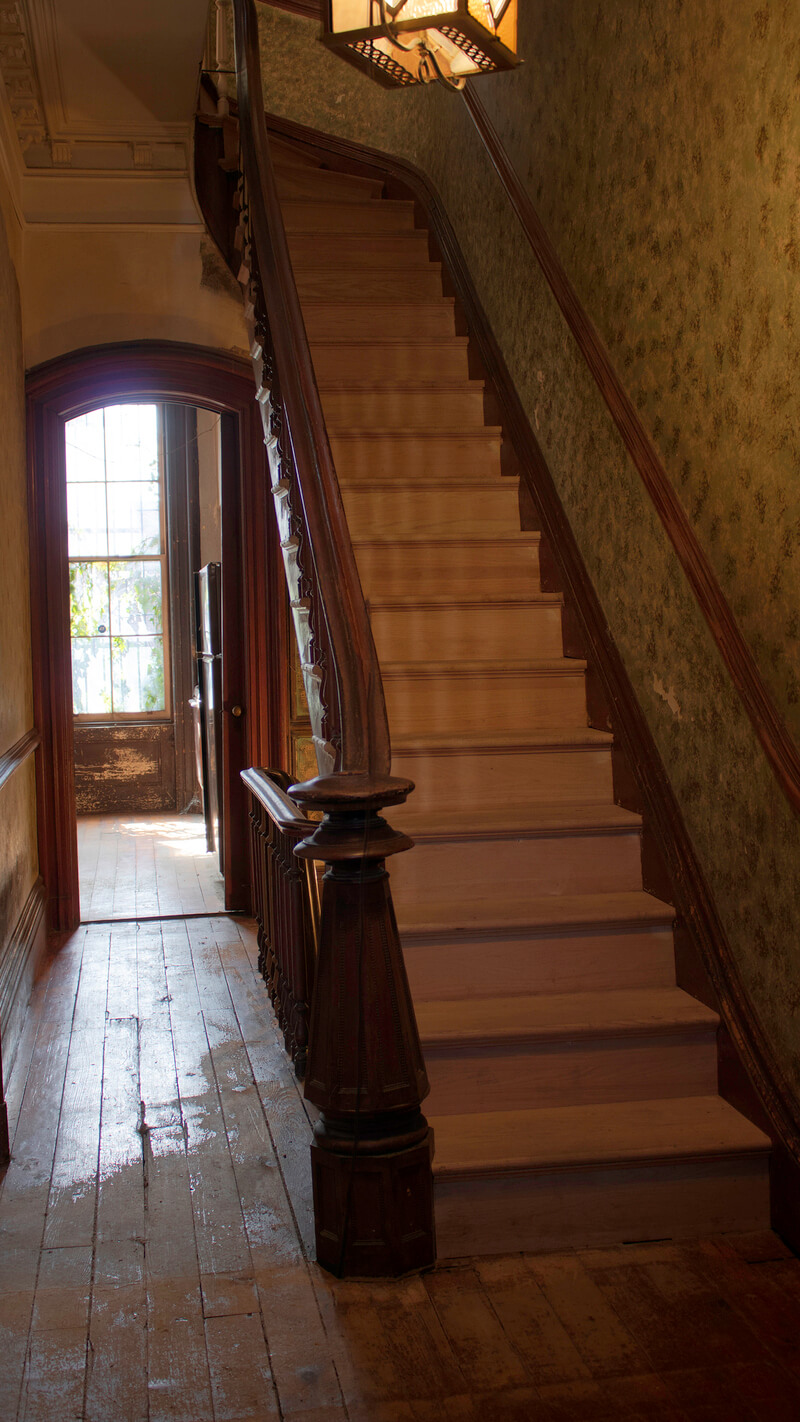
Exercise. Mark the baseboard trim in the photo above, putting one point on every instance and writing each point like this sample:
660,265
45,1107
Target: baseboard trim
19,962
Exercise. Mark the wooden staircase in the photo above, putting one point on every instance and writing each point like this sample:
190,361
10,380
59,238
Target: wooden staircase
573,1085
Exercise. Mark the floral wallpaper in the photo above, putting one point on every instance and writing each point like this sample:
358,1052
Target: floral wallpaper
661,147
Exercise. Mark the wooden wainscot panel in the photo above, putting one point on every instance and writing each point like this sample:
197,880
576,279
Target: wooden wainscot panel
124,768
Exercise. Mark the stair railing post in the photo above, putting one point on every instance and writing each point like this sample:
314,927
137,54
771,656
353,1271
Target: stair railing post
373,1148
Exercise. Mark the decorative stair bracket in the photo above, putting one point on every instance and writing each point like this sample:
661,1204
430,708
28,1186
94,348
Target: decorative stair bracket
373,1184
373,1149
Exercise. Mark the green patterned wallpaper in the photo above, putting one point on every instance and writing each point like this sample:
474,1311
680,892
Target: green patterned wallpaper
630,124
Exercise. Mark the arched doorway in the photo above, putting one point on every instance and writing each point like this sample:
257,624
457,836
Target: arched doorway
252,584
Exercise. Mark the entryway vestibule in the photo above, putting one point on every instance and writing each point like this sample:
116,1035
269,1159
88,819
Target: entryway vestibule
253,690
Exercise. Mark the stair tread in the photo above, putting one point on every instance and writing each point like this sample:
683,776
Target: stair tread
521,539
423,342
488,668
504,1142
556,912
569,737
547,817
408,603
483,432
471,387
559,1016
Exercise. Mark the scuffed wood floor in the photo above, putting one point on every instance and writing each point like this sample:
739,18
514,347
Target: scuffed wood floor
148,866
155,1238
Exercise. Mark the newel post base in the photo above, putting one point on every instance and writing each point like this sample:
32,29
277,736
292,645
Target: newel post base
373,1148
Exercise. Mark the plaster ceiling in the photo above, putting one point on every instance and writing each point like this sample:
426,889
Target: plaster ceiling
110,69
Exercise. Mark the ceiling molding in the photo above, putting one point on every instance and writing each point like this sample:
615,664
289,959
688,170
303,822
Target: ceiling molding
19,75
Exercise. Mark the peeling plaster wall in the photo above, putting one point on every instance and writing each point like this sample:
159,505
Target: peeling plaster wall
18,857
639,131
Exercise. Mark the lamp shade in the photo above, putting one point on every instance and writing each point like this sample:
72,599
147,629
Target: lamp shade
403,42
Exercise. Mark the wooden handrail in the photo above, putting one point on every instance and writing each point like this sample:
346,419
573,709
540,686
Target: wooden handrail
279,806
362,726
372,1151
779,748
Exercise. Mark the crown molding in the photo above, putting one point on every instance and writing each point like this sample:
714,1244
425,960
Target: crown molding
20,78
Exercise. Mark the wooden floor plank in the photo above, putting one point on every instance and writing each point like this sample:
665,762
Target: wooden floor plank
73,1190
146,865
120,1224
192,1290
598,1333
483,1351
241,1380
117,1382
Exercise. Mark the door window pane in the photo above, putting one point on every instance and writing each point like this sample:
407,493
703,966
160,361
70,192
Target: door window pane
86,516
131,443
138,673
91,676
88,598
85,438
134,519
135,598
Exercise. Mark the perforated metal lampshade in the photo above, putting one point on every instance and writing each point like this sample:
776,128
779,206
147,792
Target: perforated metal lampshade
402,42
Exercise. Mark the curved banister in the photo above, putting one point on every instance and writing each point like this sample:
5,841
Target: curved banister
362,724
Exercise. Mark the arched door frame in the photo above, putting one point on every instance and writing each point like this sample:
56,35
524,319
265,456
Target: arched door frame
252,581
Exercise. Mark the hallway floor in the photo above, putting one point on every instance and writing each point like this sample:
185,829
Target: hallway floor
151,865
155,1237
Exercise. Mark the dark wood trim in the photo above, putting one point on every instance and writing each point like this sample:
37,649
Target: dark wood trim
778,746
691,894
236,833
58,390
309,9
19,963
17,754
181,485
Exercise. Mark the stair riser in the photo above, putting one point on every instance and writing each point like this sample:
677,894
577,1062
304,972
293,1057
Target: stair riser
601,962
457,569
360,321
486,871
579,1209
455,634
519,701
420,457
507,777
434,512
410,249
322,218
395,408
321,186
371,363
343,284
578,1073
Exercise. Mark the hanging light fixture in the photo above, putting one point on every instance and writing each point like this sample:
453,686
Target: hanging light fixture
402,42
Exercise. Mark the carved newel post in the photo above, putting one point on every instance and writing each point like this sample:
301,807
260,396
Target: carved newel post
372,1153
